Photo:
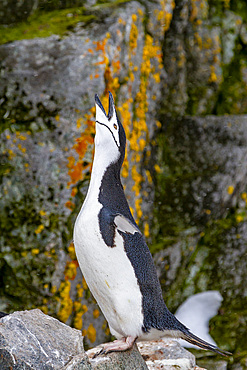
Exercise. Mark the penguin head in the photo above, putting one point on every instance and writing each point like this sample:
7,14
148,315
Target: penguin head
110,137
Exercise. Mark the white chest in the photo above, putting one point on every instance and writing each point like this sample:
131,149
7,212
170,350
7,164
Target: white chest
108,273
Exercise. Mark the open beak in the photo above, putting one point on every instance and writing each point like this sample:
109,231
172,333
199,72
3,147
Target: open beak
100,111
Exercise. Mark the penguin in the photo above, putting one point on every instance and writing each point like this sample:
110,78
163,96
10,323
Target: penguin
113,255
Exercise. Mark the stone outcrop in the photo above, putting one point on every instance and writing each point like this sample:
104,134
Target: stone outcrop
33,340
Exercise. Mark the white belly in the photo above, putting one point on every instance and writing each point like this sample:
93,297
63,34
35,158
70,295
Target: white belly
109,275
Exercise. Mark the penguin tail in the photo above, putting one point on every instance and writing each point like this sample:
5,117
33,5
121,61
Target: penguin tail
193,339
2,314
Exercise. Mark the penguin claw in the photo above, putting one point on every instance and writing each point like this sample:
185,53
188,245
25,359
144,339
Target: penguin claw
101,352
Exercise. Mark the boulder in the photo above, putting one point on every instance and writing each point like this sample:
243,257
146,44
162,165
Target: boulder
33,340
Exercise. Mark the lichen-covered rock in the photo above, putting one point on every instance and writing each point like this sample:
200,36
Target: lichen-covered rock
159,59
203,162
204,172
47,92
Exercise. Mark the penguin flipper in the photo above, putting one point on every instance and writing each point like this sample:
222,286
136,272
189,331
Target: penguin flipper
110,222
125,225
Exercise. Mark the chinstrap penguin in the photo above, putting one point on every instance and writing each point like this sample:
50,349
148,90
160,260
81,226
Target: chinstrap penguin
113,255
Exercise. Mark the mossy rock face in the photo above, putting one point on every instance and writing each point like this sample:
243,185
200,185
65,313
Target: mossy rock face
203,184
203,172
14,12
47,105
205,59
48,82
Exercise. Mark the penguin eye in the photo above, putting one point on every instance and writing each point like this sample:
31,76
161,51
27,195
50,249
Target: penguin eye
115,126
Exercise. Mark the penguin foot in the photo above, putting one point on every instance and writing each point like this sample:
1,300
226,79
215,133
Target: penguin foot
117,346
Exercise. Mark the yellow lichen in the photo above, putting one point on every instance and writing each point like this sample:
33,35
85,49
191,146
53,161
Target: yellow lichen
146,230
39,229
239,218
71,251
213,76
71,270
66,304
96,313
91,333
230,189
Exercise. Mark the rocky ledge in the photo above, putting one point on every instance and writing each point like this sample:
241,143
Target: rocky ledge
33,340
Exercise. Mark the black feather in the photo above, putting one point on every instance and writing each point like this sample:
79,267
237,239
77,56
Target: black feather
193,339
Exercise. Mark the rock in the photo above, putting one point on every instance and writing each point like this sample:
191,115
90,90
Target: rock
212,152
166,354
202,183
78,362
33,340
213,364
128,360
163,354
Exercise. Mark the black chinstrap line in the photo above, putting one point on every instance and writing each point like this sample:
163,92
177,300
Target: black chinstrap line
103,124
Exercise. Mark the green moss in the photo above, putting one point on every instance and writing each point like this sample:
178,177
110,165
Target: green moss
232,96
174,203
26,262
239,7
230,327
44,24
19,116
206,270
109,4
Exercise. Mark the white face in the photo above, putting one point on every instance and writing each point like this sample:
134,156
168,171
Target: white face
107,130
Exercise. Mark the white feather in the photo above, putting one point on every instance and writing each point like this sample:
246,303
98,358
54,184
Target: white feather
196,312
109,275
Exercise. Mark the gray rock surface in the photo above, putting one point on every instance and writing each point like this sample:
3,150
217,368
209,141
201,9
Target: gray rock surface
210,153
128,360
33,340
166,354
207,172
